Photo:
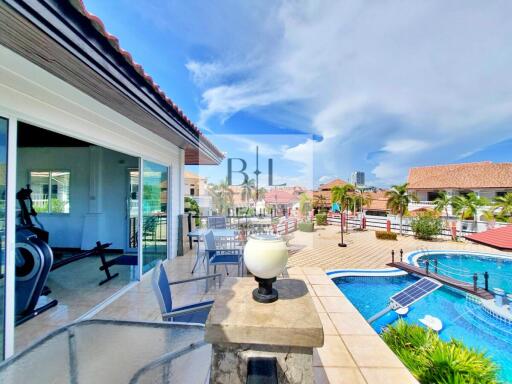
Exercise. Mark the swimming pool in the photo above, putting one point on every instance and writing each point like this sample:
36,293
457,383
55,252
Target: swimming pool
462,319
462,266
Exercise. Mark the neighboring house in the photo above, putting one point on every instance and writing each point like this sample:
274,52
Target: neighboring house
196,187
378,204
102,146
324,191
486,179
281,201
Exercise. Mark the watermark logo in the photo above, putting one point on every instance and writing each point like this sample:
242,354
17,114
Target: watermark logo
257,172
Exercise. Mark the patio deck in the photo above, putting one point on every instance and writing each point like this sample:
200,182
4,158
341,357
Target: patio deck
320,249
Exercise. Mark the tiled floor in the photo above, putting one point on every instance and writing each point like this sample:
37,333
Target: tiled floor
353,352
320,248
76,289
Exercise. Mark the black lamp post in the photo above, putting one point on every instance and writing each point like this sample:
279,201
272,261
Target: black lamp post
342,244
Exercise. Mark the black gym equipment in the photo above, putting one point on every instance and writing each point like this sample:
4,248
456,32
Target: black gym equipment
34,261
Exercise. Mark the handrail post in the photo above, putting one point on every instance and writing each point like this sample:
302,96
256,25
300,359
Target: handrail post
486,279
435,264
401,254
427,262
475,279
392,255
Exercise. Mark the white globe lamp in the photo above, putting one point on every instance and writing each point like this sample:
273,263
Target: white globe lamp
265,256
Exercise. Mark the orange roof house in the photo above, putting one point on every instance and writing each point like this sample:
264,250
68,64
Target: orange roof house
324,190
485,178
480,175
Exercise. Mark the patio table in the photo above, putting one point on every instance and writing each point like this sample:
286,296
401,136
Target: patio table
199,233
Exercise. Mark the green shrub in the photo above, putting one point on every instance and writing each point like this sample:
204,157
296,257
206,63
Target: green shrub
321,218
383,235
433,360
427,225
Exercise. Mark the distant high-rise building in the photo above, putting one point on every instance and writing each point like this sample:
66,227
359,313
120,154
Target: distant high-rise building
357,178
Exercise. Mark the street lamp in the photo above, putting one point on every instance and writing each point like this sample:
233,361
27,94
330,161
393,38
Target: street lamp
342,244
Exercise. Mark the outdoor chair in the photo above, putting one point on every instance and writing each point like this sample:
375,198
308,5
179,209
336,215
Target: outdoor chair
217,222
222,251
192,313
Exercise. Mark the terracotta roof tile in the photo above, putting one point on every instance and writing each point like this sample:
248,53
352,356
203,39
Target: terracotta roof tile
333,183
462,176
98,24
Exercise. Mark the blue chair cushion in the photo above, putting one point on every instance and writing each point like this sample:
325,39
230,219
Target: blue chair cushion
225,258
165,290
196,317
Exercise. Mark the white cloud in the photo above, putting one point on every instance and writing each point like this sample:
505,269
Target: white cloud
415,82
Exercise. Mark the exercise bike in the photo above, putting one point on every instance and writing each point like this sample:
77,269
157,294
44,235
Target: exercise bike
35,260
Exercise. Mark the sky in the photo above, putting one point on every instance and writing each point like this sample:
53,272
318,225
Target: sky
325,88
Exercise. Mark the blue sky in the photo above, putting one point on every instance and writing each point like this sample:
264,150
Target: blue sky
326,88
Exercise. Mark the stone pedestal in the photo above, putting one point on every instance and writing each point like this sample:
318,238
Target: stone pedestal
239,328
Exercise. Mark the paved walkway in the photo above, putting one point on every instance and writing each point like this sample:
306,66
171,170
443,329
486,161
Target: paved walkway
364,250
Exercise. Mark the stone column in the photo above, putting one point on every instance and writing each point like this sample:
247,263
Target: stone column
240,328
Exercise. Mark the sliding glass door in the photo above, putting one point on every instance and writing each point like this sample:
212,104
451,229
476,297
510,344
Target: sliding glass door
3,191
154,214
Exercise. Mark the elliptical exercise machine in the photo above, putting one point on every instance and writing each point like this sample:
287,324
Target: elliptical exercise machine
34,261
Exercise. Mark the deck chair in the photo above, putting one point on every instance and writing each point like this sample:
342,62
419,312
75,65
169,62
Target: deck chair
217,222
192,313
222,251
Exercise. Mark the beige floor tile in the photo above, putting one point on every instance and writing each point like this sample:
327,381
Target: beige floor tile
371,351
331,375
388,376
326,290
313,271
294,271
332,354
319,279
338,304
351,324
318,304
329,328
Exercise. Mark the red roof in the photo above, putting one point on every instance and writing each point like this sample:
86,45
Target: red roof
484,174
500,238
280,197
114,42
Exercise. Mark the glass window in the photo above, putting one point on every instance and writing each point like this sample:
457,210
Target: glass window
154,214
50,191
3,185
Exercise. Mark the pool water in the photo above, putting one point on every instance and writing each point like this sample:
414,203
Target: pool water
463,266
462,319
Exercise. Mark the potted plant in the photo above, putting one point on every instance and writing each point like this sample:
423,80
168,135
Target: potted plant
306,225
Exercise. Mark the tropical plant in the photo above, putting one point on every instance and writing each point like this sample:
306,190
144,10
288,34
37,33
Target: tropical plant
304,206
222,196
340,195
442,202
399,199
261,193
503,204
319,202
192,207
467,206
427,225
433,360
247,190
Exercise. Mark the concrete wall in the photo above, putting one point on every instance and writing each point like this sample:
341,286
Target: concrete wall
101,193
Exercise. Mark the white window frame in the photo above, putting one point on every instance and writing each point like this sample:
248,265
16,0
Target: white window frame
50,171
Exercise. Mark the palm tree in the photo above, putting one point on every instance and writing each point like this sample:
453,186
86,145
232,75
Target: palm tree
247,190
222,196
467,206
319,202
339,194
442,202
261,193
399,199
504,205
304,206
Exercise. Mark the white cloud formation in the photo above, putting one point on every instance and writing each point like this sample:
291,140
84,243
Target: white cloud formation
389,84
